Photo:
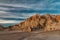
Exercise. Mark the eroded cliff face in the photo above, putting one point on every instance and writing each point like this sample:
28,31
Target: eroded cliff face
39,22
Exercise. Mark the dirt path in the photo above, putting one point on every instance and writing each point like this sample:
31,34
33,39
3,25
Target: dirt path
54,35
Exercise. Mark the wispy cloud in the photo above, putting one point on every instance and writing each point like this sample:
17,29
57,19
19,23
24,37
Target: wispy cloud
26,8
15,5
9,21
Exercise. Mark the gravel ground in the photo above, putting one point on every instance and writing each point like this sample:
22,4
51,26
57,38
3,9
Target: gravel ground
53,35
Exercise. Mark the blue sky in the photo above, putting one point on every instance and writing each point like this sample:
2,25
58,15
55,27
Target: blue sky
19,10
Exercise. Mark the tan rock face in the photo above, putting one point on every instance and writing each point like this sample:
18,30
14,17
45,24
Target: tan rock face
58,18
15,27
37,22
53,23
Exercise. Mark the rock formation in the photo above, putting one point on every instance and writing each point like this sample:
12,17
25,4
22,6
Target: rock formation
39,22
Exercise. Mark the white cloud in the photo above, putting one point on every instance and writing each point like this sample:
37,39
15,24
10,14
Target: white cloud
2,8
15,5
37,6
3,12
9,21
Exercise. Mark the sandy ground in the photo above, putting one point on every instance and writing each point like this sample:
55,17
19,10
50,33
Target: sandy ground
53,35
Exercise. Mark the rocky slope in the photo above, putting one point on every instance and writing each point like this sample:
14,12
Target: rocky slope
39,22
